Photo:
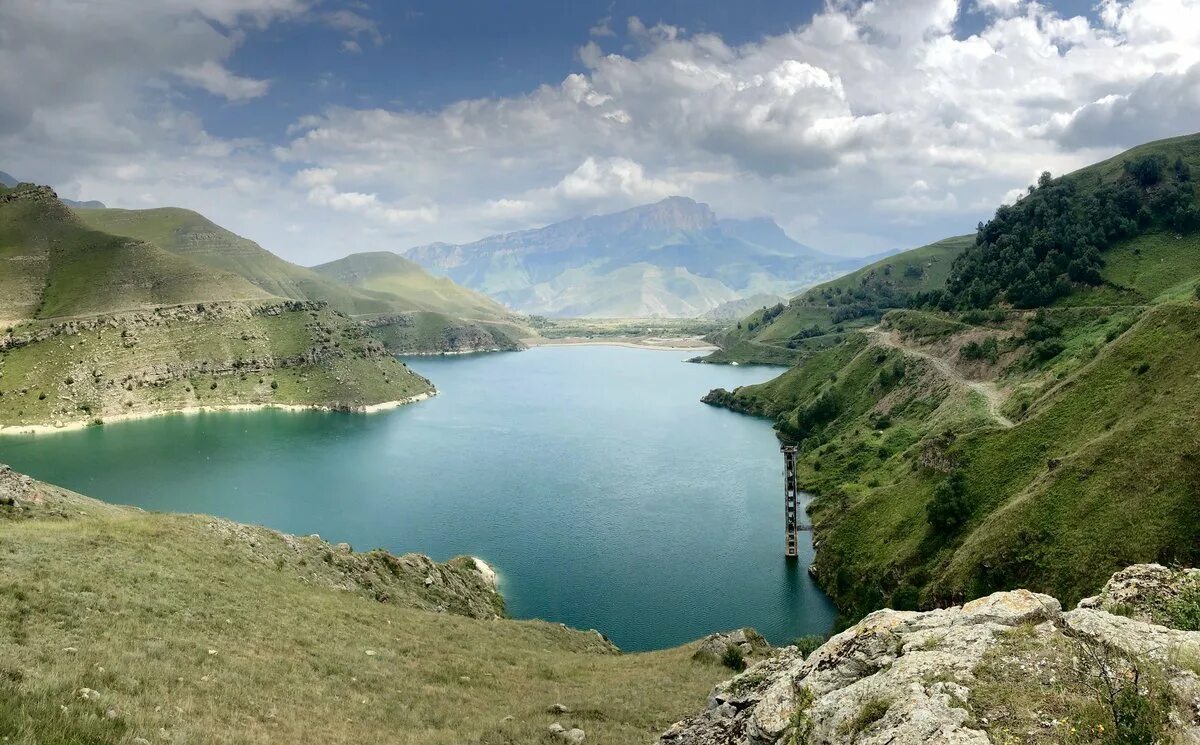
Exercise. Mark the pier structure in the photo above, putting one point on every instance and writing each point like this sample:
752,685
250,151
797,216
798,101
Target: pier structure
791,519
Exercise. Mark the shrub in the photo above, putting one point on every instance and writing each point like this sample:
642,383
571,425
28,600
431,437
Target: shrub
808,643
988,349
733,658
871,712
949,508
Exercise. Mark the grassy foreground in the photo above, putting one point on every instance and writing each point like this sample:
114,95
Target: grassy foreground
120,626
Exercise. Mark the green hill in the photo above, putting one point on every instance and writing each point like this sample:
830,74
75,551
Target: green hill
54,266
118,626
430,314
784,333
955,450
99,326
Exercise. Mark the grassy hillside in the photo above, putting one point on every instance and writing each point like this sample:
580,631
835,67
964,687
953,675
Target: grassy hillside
53,265
391,274
219,354
186,233
785,333
430,314
116,624
957,450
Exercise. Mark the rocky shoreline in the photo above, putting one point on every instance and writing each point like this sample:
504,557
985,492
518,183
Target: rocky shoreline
39,429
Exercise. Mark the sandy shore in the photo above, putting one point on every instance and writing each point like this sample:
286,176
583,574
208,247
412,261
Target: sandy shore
41,429
668,343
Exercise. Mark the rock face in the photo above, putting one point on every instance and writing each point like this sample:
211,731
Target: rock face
15,488
906,678
746,640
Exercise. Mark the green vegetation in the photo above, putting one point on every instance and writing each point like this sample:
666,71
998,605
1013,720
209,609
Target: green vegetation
117,624
55,266
413,310
1040,248
958,451
214,355
818,318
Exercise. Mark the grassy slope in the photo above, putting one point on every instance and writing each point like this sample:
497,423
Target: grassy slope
360,285
129,604
389,273
227,355
53,265
775,342
1101,470
189,234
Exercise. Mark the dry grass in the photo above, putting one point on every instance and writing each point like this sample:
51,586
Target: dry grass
186,640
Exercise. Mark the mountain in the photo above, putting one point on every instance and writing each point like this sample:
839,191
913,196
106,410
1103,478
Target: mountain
429,314
1018,417
7,180
55,265
674,258
101,326
783,333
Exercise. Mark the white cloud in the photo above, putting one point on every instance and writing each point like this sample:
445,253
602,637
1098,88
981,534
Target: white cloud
214,78
872,126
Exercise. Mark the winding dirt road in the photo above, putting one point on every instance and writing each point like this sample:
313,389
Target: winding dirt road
989,391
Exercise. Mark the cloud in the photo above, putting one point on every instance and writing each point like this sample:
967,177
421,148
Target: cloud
602,28
214,78
874,125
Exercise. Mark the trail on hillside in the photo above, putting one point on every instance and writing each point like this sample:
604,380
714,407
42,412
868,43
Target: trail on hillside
989,391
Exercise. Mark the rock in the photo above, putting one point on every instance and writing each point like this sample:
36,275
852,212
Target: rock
428,581
905,678
573,736
747,640
558,709
88,694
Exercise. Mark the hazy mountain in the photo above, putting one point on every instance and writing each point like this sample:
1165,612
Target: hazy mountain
672,258
7,180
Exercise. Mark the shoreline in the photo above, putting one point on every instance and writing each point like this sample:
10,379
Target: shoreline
666,344
44,429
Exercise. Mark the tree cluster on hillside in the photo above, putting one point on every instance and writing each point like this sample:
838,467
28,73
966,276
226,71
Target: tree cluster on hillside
1052,240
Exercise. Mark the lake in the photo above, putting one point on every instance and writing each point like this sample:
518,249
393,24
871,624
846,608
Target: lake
604,493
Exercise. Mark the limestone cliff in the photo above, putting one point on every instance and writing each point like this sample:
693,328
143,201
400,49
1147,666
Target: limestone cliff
1012,667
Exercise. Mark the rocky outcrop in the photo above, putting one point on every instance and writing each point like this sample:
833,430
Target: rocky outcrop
905,678
15,488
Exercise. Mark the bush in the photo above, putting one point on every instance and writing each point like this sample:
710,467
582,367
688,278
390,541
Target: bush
733,658
808,643
949,508
988,349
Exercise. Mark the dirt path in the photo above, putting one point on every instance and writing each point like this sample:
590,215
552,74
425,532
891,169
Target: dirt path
989,391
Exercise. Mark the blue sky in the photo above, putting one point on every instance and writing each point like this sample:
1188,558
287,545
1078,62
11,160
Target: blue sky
322,127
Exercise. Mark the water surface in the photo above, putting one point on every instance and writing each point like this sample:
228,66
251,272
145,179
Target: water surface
603,491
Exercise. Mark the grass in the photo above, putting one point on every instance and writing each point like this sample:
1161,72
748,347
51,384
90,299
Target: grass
368,284
191,635
54,266
1098,473
227,354
812,315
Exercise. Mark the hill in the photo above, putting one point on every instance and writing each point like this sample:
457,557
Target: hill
120,624
955,450
448,315
670,259
100,326
782,333
55,266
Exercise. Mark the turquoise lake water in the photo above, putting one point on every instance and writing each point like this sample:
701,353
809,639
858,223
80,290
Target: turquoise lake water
605,494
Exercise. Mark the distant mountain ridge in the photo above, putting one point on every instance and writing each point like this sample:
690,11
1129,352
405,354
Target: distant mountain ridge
672,258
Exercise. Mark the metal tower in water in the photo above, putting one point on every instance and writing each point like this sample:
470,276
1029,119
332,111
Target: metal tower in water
791,523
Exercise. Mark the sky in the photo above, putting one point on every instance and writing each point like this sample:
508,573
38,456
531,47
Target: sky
325,127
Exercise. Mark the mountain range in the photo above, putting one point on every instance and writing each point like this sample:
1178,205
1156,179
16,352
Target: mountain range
675,258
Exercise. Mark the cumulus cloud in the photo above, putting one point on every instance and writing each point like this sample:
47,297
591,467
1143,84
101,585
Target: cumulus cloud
872,126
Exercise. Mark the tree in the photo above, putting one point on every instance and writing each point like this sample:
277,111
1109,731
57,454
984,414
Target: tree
949,508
